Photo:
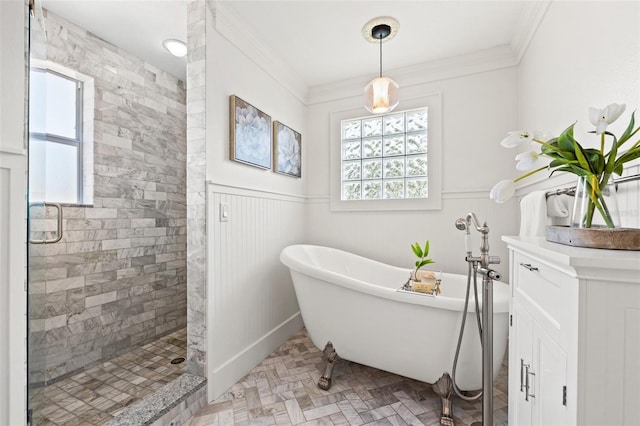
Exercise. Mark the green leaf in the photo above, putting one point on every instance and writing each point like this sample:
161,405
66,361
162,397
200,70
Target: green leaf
629,131
627,156
617,169
581,156
416,249
426,249
595,159
565,140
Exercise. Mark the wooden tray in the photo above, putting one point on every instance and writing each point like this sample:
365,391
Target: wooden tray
602,238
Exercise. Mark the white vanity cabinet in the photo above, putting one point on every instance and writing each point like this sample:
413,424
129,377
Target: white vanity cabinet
574,335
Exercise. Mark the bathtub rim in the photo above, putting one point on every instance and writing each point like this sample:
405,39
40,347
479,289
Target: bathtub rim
501,291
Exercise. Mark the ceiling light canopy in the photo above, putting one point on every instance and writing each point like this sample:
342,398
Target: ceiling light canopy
175,47
381,94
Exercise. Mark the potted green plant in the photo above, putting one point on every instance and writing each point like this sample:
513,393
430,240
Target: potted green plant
427,282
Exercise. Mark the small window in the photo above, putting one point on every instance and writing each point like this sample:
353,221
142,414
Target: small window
385,156
56,136
388,161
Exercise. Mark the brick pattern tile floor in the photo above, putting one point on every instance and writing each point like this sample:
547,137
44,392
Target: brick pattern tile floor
98,394
282,390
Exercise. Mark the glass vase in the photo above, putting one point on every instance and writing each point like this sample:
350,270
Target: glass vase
595,204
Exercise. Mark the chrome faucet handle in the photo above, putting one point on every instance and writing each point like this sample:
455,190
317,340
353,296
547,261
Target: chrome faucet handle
494,260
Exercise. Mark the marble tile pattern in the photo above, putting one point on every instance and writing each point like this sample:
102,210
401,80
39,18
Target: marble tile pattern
196,186
117,279
282,390
101,393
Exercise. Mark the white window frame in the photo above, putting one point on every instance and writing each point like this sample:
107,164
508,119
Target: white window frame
433,103
86,180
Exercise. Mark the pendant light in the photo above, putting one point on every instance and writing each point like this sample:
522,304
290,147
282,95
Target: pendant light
381,94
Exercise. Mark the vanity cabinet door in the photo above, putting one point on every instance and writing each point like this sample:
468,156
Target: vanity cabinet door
521,342
550,369
537,375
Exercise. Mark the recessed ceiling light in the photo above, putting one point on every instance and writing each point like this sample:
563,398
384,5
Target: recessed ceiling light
175,47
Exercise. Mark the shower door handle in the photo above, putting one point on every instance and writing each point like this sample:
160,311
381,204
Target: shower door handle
59,223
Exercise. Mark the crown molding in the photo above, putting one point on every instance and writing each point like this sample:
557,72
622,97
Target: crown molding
528,23
457,66
231,27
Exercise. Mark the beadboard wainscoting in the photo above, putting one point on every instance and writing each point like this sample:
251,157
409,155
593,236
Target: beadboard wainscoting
251,303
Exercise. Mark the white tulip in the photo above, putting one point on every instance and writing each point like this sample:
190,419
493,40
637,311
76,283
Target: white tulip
527,161
503,191
601,118
518,138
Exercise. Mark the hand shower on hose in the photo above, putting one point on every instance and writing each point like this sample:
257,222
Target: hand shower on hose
479,264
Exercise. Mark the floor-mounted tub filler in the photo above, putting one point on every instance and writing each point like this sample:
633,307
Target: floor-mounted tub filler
356,309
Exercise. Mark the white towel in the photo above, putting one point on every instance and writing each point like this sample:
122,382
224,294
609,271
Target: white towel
558,205
533,214
559,209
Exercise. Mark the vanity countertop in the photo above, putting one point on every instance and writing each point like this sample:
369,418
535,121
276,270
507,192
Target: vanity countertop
579,261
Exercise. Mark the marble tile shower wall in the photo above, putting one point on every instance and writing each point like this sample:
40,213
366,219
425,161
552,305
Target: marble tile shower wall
117,279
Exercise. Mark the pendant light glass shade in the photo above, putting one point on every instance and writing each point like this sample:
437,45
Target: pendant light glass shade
381,95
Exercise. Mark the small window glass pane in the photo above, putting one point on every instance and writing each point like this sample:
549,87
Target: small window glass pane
372,190
351,170
393,189
372,169
393,145
61,174
417,121
393,167
416,143
393,124
351,150
351,190
372,148
417,166
38,101
351,129
61,106
417,188
372,127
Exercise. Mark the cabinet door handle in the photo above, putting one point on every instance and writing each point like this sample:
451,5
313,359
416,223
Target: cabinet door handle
521,375
527,385
529,266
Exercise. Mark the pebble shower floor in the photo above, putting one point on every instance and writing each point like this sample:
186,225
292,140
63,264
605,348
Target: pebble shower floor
282,390
98,394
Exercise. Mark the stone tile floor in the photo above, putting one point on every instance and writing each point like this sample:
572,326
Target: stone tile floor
282,390
98,394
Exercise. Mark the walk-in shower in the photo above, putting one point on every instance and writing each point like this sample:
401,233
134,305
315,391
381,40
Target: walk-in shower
107,225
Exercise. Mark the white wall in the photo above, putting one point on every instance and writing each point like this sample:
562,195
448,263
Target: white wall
477,111
583,54
251,304
12,214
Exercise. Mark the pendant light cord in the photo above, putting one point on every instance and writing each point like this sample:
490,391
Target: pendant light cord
380,55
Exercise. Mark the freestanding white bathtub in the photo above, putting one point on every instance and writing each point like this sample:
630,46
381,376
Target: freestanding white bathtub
353,302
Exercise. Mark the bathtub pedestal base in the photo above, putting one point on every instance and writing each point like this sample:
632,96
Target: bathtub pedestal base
332,357
444,389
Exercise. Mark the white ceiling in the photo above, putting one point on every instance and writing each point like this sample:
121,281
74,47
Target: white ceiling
320,41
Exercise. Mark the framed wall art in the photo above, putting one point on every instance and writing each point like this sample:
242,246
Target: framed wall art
287,154
249,134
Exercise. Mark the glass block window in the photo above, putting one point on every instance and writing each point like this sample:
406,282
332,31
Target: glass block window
385,156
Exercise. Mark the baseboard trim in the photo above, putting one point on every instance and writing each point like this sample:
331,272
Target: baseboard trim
240,364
